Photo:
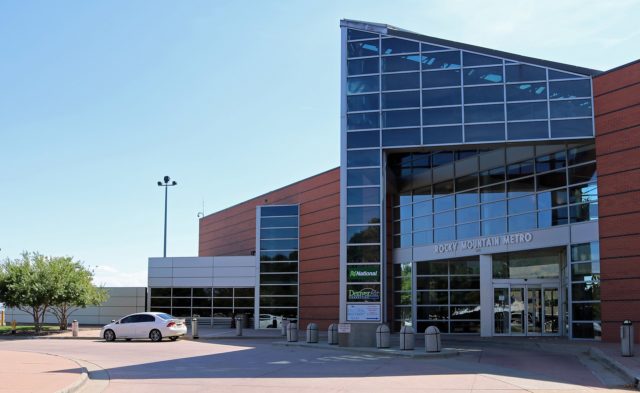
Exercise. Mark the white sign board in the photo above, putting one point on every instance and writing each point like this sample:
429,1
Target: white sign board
363,312
344,328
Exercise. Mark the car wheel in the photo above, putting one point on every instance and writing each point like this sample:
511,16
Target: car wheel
173,338
155,335
109,335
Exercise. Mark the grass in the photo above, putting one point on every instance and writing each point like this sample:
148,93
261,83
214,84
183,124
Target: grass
28,329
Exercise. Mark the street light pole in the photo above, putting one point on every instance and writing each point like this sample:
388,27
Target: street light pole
167,183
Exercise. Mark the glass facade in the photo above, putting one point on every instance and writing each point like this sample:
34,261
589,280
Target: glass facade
455,195
278,239
585,290
213,304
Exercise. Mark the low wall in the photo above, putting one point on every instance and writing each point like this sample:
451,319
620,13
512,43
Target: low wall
122,301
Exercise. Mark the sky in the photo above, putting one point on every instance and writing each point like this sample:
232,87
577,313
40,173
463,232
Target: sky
101,99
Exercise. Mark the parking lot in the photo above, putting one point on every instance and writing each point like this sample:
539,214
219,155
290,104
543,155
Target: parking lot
240,365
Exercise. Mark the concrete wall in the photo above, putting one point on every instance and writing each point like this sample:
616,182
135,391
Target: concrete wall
232,232
617,110
122,301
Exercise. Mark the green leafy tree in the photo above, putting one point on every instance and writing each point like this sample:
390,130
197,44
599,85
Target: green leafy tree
74,289
26,284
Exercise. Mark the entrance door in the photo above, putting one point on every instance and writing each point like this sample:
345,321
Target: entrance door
526,309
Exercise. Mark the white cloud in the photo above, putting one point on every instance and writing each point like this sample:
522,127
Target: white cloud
110,276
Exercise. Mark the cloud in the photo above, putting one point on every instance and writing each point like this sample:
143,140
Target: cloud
110,276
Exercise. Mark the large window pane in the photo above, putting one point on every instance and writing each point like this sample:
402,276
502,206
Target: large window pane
528,130
484,132
278,233
397,45
522,222
364,102
363,234
483,113
363,139
495,209
404,81
359,121
401,118
437,60
582,174
494,227
363,177
527,111
363,84
357,254
482,75
405,99
474,59
401,137
401,63
571,108
441,97
442,135
362,48
474,95
363,66
526,91
276,222
363,196
290,244
440,78
359,35
363,215
437,116
524,72
570,89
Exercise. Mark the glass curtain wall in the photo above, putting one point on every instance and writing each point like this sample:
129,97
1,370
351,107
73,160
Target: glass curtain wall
278,244
448,295
585,290
446,195
217,303
402,295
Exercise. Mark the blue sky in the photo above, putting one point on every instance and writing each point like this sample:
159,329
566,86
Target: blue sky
99,100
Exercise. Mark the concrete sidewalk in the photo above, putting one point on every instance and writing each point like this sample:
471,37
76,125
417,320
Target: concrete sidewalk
36,372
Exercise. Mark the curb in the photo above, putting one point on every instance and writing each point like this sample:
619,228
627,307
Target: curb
632,377
210,338
446,352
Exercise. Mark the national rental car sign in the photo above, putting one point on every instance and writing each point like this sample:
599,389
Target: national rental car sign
363,273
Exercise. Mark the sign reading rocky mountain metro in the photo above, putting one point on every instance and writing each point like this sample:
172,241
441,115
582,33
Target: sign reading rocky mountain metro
483,242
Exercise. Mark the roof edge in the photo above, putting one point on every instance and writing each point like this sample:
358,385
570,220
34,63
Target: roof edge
402,33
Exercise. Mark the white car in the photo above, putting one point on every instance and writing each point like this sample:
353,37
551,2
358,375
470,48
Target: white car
153,325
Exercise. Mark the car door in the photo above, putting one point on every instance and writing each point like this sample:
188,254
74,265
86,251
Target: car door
125,329
145,324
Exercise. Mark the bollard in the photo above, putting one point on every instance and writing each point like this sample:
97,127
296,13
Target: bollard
283,327
74,328
407,339
194,328
332,334
312,333
292,332
2,318
626,338
383,335
239,325
432,341
13,327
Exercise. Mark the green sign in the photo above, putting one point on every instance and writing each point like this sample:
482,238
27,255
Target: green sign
363,273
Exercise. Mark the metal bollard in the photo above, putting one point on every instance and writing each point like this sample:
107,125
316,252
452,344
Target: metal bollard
332,334
239,326
75,326
383,336
626,338
194,328
292,332
312,333
407,338
283,326
432,342
13,327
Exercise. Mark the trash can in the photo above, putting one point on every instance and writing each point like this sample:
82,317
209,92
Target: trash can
432,341
283,326
75,326
626,338
292,332
407,338
312,333
332,334
383,336
239,325
194,328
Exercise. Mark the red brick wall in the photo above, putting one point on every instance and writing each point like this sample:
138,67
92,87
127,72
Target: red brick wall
617,111
232,232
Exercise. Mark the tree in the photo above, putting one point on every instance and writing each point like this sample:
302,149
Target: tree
74,289
26,284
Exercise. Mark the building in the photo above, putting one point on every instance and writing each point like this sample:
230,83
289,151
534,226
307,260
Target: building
467,198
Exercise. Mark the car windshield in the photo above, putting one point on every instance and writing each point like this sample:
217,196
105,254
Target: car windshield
165,316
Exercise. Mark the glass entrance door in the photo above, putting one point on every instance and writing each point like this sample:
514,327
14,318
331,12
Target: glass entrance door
526,309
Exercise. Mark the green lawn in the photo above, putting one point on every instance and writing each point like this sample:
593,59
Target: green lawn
26,329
